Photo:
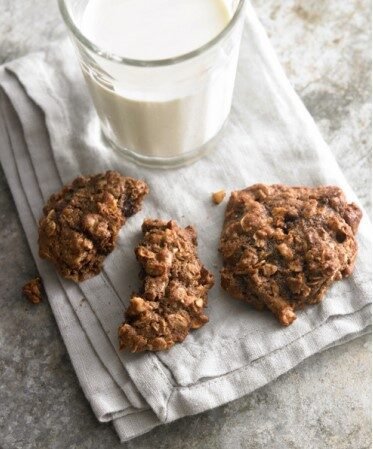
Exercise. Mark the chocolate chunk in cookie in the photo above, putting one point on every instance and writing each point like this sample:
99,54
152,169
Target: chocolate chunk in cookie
33,290
82,221
283,246
174,293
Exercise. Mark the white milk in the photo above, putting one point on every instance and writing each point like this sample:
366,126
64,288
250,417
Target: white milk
160,111
153,29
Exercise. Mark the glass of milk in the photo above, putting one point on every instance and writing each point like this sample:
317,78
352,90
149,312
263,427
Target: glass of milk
160,72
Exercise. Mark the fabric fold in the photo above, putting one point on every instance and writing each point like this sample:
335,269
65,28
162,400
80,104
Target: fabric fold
82,354
45,183
103,388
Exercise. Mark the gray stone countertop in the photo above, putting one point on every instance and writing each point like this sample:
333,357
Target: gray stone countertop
325,402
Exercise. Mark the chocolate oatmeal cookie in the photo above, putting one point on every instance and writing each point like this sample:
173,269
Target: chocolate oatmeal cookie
283,246
81,222
174,292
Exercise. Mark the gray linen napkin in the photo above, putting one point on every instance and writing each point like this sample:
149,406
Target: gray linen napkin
49,134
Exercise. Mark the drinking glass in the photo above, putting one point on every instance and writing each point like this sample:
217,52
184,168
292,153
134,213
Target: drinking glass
165,112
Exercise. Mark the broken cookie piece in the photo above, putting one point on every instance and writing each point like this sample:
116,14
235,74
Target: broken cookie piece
283,247
82,221
174,292
32,290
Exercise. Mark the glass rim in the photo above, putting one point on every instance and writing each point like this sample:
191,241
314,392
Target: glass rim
146,63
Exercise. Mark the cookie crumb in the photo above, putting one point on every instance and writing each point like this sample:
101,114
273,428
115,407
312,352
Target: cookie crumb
218,197
32,290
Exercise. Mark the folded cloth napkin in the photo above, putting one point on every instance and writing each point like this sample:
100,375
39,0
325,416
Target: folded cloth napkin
49,134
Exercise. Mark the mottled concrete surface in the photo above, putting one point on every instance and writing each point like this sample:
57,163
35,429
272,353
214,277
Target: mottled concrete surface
324,46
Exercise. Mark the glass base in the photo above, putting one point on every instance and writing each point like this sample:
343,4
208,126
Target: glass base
167,162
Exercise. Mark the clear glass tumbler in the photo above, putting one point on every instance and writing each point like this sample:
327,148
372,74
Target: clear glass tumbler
166,112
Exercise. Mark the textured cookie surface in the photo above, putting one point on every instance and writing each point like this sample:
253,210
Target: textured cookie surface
283,247
174,293
81,222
